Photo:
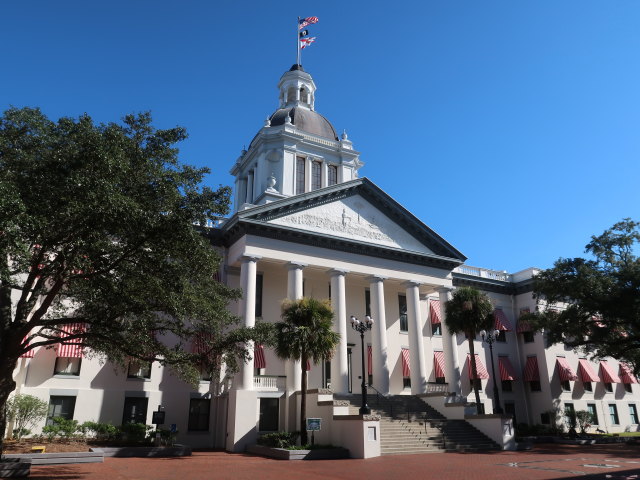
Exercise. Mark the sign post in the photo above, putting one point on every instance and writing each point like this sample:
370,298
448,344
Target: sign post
157,418
313,425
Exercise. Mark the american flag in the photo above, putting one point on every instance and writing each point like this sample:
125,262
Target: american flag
307,21
305,42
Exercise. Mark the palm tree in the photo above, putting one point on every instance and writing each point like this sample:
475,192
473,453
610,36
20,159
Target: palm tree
305,334
469,311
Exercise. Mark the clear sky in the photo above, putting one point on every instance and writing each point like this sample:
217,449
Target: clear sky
512,128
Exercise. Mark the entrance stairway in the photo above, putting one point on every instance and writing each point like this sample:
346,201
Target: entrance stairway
408,425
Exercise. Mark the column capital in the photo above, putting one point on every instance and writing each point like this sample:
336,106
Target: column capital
376,278
296,265
444,289
411,284
337,271
250,258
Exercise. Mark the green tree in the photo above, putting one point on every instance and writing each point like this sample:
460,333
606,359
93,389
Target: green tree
25,411
98,227
305,334
596,301
469,311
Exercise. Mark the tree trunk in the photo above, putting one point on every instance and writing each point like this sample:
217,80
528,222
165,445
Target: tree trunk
303,401
7,385
474,370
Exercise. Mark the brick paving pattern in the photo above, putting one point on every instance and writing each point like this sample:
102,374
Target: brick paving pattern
614,462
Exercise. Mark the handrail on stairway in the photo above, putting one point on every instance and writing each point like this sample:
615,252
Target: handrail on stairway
380,394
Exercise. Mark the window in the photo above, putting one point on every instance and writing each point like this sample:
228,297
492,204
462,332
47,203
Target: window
332,174
502,336
608,387
527,337
199,414
627,388
566,385
61,406
613,413
507,386
510,409
316,175
300,164
135,410
269,415
633,413
535,386
326,373
206,375
591,408
406,382
570,415
440,380
402,310
259,282
588,386
367,302
545,418
139,369
478,382
436,329
67,366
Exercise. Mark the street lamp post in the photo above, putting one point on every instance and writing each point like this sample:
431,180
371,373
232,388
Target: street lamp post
362,327
489,338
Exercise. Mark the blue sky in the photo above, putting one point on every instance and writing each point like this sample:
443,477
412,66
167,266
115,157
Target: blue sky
510,128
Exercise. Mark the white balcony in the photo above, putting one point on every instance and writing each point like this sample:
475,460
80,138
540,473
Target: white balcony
483,273
269,383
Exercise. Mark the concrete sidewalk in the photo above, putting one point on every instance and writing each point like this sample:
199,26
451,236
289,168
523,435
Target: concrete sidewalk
598,462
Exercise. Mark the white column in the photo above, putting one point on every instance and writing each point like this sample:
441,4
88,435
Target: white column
249,197
339,367
307,170
379,335
418,369
248,314
449,345
294,292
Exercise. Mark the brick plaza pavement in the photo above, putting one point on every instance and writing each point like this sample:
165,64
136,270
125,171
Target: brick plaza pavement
606,462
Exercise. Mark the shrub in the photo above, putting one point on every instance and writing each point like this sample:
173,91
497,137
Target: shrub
61,427
278,439
136,432
100,431
25,411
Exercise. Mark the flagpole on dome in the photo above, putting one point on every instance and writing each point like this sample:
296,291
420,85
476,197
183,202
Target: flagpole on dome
298,41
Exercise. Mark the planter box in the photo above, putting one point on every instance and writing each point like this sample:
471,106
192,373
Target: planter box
284,454
174,451
59,458
15,467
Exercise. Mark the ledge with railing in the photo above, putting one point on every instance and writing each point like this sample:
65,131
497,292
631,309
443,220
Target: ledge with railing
269,383
502,276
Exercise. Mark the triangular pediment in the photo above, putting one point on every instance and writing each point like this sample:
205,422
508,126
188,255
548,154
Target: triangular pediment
353,218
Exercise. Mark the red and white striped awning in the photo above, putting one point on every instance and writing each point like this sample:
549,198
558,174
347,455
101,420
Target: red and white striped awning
258,357
438,364
406,368
586,372
626,374
29,353
524,326
608,375
74,348
434,311
369,360
531,371
507,372
564,370
501,322
480,368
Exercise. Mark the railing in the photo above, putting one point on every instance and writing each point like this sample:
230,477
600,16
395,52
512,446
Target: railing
269,383
381,396
433,387
503,276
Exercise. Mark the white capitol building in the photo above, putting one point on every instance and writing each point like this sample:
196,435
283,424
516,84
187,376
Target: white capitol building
306,224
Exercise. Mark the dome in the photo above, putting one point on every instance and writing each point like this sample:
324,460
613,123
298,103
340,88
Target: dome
304,119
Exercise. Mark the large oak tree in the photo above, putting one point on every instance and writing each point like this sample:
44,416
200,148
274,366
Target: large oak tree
593,304
98,227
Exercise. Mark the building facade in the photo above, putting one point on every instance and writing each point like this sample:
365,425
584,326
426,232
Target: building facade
306,224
